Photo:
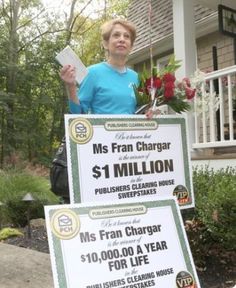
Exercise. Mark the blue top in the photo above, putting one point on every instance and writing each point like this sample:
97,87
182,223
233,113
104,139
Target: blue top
106,91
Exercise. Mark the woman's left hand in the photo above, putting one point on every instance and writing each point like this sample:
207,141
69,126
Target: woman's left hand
150,113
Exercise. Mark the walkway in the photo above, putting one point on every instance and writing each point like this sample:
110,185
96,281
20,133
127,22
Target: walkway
24,268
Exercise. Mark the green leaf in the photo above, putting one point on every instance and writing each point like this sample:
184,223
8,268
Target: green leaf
178,105
141,98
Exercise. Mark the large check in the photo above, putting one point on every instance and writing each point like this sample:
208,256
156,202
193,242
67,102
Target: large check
132,245
114,158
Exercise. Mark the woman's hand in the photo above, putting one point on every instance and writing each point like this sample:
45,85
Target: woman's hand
67,74
151,112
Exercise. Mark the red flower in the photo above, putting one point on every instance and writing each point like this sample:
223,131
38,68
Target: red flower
169,90
168,77
180,85
156,82
169,85
186,82
169,93
190,93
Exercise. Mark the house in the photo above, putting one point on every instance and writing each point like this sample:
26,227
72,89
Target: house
192,31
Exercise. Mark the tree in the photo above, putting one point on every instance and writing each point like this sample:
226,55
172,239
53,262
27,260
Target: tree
33,100
22,101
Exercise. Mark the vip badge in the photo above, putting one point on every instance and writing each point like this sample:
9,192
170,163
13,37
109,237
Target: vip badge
185,280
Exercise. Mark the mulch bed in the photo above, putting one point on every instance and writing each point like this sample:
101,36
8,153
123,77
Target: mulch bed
38,240
219,270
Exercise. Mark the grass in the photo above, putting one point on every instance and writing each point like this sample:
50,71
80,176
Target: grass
14,185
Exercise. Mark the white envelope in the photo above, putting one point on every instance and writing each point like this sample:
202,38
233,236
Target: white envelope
68,56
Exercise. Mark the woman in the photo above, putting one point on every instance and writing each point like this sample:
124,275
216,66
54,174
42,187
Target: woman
108,87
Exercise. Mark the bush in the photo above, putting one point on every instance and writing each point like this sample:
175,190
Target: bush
215,193
14,186
9,232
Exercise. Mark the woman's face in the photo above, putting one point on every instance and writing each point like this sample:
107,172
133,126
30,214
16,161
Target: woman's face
119,43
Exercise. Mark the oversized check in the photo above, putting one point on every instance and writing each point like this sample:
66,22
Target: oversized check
132,245
114,158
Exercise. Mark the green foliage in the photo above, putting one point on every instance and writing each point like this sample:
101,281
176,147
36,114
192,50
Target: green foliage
215,193
172,66
9,232
210,226
33,100
14,186
178,105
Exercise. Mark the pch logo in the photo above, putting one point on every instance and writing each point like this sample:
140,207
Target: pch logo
65,224
81,130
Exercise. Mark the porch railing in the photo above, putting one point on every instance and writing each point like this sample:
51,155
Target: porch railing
215,117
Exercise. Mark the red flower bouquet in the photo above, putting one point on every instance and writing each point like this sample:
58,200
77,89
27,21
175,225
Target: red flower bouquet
162,88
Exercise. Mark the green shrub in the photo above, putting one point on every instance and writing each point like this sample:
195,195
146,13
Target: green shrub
215,208
9,232
14,185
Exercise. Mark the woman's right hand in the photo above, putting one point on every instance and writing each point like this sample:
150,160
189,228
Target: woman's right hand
67,74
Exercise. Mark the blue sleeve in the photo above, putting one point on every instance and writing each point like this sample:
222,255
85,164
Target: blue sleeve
74,108
86,92
85,95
